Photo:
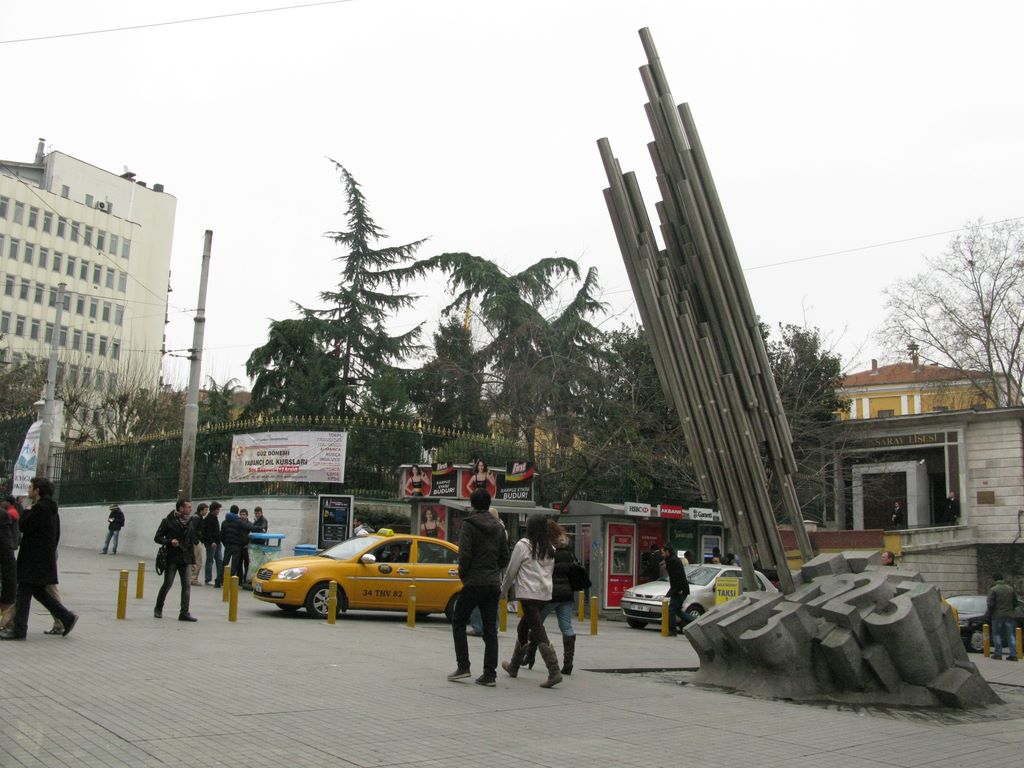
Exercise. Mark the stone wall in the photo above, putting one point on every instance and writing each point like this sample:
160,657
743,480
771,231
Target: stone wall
995,466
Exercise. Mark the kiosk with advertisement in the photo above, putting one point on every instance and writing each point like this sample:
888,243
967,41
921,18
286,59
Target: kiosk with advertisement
616,539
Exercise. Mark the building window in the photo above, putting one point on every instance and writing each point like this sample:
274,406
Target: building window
65,191
113,381
90,343
103,346
33,217
30,252
126,248
67,301
97,274
58,261
886,413
83,270
76,340
19,326
19,212
115,349
62,226
109,282
113,243
122,281
87,235
9,286
40,290
33,332
53,297
5,322
80,304
93,306
2,241
73,374
86,377
48,333
70,271
63,336
4,203
105,315
88,201
74,231
101,239
15,247
23,289
99,383
118,314
44,257
47,221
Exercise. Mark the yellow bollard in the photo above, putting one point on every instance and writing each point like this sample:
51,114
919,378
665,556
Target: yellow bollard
226,581
502,615
122,594
140,580
664,617
593,614
1020,644
410,618
581,607
986,641
233,599
332,602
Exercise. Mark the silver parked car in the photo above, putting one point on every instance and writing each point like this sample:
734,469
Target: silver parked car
641,605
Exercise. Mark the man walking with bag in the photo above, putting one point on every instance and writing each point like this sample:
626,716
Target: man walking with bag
175,534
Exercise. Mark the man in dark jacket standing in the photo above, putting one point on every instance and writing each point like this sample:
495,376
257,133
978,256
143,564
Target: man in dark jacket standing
1002,604
483,553
234,533
678,590
37,561
115,522
175,533
214,550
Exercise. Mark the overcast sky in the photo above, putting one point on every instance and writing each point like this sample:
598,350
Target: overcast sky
829,126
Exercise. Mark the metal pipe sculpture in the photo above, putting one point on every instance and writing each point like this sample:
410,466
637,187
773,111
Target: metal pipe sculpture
844,628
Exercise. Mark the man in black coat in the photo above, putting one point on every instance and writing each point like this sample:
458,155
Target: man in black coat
483,554
678,590
37,561
176,534
214,550
115,522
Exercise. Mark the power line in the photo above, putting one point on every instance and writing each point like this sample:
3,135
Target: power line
173,23
876,245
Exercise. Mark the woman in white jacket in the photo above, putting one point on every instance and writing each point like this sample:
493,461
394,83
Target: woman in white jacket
530,570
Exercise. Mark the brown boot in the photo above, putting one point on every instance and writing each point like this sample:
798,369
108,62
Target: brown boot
551,662
530,658
568,652
512,666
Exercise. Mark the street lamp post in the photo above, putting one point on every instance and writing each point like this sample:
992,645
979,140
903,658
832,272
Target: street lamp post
49,398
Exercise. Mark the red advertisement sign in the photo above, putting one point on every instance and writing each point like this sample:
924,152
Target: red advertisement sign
670,511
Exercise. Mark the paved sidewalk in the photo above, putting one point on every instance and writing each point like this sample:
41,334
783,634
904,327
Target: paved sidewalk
275,689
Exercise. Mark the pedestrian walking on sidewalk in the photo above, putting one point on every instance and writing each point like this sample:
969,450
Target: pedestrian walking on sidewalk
37,561
678,591
530,571
115,522
175,534
10,517
561,603
483,553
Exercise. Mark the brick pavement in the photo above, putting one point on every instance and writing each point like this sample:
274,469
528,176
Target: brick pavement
276,689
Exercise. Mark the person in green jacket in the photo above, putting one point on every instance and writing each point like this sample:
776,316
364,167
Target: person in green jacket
1002,605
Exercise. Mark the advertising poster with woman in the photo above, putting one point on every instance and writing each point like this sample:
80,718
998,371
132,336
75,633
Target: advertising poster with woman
415,482
433,521
480,476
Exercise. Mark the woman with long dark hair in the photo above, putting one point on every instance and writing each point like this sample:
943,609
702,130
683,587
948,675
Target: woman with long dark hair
530,570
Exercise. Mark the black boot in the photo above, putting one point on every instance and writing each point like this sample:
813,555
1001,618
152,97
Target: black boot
568,651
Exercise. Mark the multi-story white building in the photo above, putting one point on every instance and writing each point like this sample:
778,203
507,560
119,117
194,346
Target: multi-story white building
107,237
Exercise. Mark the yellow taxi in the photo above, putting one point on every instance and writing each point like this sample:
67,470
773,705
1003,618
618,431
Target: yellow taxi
373,573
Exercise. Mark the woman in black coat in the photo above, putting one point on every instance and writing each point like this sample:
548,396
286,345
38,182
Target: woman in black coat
37,561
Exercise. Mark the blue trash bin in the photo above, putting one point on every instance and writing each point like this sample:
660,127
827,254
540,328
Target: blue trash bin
302,550
263,547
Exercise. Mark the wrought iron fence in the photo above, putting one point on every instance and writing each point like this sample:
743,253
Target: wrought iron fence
147,468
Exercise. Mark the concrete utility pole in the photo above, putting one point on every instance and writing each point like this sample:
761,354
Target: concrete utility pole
191,426
49,404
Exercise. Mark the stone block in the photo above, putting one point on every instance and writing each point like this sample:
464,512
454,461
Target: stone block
825,565
956,687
